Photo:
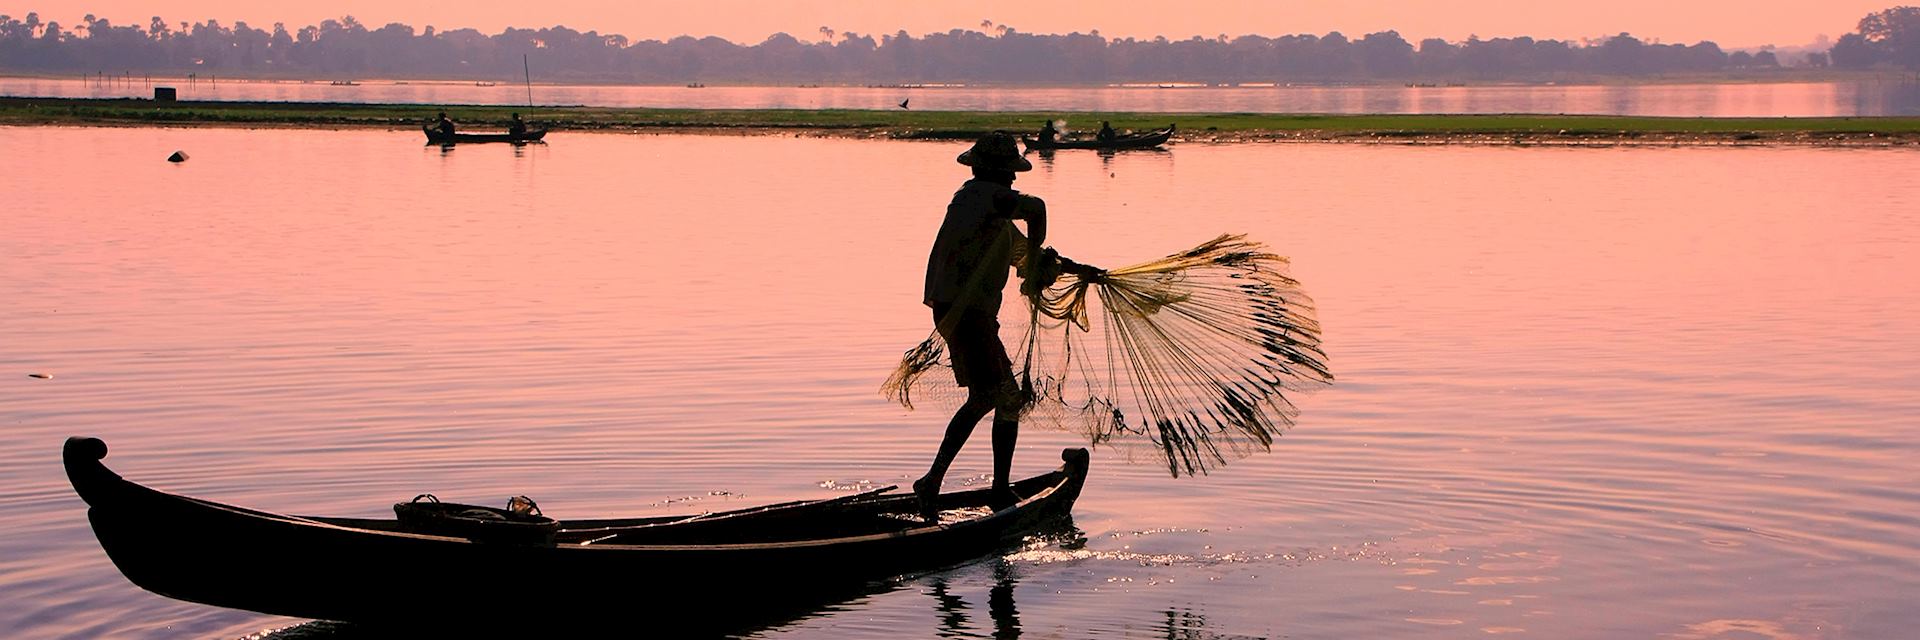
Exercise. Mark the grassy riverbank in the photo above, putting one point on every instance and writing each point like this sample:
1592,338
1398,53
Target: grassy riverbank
908,124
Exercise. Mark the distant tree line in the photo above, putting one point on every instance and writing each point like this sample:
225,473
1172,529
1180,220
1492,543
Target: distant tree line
995,53
1883,38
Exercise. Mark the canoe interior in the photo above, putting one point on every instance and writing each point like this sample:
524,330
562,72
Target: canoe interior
861,515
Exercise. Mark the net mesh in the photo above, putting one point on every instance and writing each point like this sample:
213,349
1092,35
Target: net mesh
1196,355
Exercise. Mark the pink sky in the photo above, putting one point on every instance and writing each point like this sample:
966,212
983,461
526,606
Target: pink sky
1729,22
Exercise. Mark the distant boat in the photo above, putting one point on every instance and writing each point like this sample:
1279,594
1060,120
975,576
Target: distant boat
696,85
435,137
484,84
1137,141
345,83
450,573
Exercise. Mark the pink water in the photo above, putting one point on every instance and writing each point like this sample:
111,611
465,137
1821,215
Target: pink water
1892,96
1583,392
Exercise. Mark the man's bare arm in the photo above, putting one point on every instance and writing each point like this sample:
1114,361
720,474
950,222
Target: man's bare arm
1034,211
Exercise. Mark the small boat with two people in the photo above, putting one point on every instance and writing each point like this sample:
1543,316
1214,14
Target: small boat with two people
436,137
442,132
1107,139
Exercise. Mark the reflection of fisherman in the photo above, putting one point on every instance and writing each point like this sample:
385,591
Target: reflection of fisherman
1106,132
966,271
517,126
446,124
1048,133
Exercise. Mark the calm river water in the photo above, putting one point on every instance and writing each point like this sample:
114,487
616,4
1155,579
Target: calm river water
1889,97
1583,392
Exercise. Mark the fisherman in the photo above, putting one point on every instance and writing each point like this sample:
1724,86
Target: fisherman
446,124
966,271
517,126
1047,133
1106,132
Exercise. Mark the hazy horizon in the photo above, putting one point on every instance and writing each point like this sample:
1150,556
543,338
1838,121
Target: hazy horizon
1728,23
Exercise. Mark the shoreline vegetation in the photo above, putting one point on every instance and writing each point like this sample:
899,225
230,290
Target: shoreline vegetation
1514,129
1769,75
346,48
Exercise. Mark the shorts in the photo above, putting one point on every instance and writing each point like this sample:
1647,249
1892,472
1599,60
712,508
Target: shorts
973,342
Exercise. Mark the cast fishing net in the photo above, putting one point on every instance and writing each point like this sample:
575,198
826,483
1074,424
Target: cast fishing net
1197,353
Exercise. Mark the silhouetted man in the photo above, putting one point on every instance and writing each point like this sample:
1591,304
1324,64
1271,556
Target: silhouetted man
1106,132
517,126
966,271
446,124
1048,133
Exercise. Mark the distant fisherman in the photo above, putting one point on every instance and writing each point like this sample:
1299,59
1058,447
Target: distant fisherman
517,126
446,124
1106,132
966,271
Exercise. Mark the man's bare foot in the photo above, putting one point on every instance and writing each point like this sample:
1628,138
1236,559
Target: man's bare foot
927,491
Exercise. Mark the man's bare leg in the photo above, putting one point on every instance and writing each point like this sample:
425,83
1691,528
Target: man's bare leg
1005,433
958,430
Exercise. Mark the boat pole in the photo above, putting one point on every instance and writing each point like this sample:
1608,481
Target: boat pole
529,71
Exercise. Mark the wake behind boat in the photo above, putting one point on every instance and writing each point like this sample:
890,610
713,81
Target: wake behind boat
381,570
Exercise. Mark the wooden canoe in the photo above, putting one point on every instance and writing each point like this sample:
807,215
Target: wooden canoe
435,137
372,570
1138,141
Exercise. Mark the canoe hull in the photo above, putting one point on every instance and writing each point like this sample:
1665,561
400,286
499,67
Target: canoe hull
225,556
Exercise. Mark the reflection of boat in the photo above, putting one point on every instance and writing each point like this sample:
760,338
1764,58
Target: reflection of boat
721,619
435,137
1136,141
362,569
